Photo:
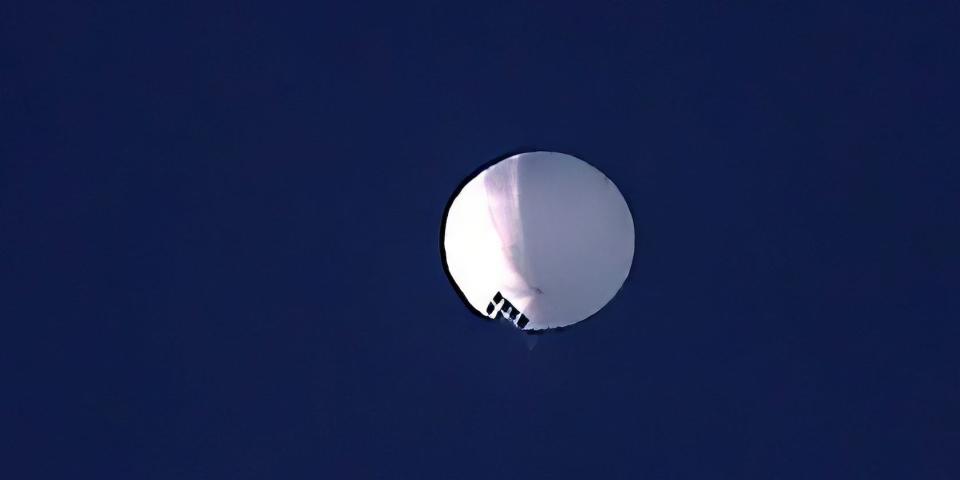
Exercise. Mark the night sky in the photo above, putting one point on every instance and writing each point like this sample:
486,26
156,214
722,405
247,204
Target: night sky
219,240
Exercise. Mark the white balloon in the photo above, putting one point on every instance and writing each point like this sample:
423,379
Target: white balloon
542,239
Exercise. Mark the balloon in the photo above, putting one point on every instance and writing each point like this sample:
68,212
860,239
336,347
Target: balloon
540,239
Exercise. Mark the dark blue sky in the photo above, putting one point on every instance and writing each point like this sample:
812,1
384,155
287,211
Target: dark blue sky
219,240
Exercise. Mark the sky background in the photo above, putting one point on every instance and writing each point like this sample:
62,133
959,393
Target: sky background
219,228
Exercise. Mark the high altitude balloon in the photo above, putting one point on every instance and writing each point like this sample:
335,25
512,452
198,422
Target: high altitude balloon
541,239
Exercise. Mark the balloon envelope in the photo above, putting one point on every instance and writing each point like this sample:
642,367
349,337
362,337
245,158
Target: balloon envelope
542,239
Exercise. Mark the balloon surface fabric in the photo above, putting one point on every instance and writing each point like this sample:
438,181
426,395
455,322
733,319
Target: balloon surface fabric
540,239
